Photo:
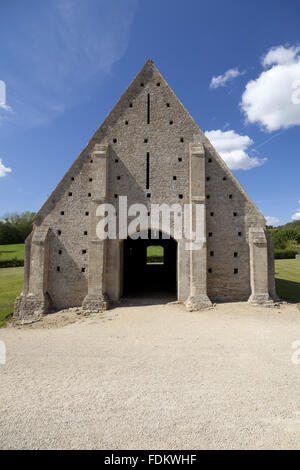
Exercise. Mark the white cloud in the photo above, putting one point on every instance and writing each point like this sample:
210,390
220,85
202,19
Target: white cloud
296,216
272,220
232,148
221,80
272,99
280,55
3,169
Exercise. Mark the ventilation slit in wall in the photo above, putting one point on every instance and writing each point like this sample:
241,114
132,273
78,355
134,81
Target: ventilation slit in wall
148,171
148,109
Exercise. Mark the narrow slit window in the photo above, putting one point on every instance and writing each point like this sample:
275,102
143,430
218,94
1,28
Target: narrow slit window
148,171
148,109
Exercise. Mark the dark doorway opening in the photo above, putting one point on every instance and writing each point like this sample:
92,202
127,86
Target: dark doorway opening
150,267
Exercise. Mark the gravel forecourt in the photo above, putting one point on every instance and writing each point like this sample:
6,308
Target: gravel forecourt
153,377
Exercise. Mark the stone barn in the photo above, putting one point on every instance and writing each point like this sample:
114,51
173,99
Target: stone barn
150,150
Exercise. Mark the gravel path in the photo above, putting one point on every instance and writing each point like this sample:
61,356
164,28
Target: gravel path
142,377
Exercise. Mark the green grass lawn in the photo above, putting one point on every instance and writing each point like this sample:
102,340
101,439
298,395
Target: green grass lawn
157,252
11,251
11,285
287,273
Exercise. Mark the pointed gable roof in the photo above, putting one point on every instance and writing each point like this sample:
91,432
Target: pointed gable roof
144,75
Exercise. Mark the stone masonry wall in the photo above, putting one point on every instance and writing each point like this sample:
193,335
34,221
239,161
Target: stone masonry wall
165,139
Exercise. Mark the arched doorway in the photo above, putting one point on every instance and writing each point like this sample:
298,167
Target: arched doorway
150,266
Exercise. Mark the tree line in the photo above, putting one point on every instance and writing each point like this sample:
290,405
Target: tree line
286,239
14,228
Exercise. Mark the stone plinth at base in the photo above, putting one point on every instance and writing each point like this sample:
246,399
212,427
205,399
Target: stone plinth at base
30,308
95,303
260,299
197,302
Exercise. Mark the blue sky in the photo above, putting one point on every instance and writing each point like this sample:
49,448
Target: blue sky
234,64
